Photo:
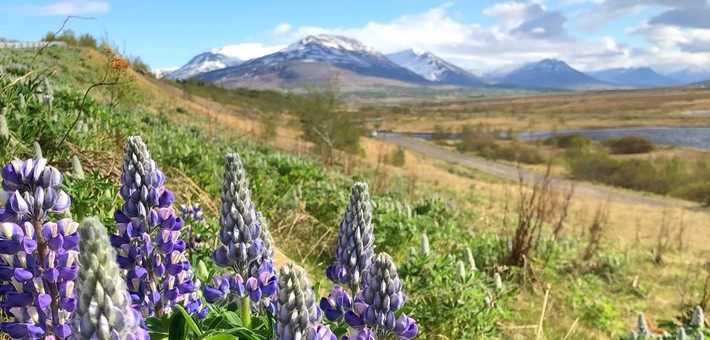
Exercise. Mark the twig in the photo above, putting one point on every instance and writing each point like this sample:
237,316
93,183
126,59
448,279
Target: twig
571,329
542,314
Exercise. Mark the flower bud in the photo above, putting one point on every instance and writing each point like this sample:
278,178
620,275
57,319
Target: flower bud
297,312
104,305
37,151
424,245
77,169
471,260
698,319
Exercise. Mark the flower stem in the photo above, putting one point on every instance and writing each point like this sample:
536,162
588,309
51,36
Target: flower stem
53,291
246,312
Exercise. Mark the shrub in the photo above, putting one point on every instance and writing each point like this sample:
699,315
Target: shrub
699,192
628,145
566,141
397,157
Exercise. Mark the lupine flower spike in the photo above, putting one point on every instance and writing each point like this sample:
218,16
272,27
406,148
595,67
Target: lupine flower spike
150,249
37,257
243,248
355,240
424,245
698,319
471,260
37,153
681,334
104,306
4,130
298,316
77,169
376,305
460,270
498,281
239,233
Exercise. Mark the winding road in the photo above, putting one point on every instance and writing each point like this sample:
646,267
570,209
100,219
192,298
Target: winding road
529,177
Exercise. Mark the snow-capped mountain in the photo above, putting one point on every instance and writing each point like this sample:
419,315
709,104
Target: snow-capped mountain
316,59
550,74
690,75
635,77
205,62
161,72
433,68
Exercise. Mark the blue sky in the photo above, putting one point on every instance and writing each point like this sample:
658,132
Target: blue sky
479,35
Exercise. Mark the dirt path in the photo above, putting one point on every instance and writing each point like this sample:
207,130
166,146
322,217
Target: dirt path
513,173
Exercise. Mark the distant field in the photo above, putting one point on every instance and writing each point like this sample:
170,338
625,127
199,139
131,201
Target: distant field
529,112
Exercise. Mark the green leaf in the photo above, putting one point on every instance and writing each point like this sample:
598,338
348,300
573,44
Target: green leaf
156,325
188,319
233,318
178,327
316,288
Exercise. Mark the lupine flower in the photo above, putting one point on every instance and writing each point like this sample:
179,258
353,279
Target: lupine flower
471,260
104,306
266,238
297,314
498,281
378,301
460,270
362,334
262,287
37,151
320,332
149,245
681,334
37,256
424,245
355,240
239,233
642,326
77,169
698,319
192,213
4,130
700,336
633,335
335,305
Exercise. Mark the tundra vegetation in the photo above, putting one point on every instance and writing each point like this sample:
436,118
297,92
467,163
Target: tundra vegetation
146,220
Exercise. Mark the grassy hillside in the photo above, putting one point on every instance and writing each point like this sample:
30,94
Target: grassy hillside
597,280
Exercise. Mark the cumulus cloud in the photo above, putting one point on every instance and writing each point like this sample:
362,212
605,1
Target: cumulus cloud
525,31
608,10
684,17
248,51
71,7
282,28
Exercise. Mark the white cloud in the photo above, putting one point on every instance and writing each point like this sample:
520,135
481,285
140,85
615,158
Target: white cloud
70,7
248,51
282,28
527,33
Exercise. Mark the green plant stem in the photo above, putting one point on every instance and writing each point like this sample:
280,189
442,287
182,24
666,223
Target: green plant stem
246,312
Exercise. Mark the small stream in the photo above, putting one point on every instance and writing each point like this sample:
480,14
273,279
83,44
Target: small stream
691,137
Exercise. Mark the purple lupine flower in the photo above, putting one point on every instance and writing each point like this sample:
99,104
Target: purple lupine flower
297,314
320,332
378,301
192,214
149,245
362,334
37,256
240,233
335,305
355,240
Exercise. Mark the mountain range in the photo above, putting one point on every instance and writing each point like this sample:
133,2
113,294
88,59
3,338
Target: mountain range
434,69
635,77
549,74
317,59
